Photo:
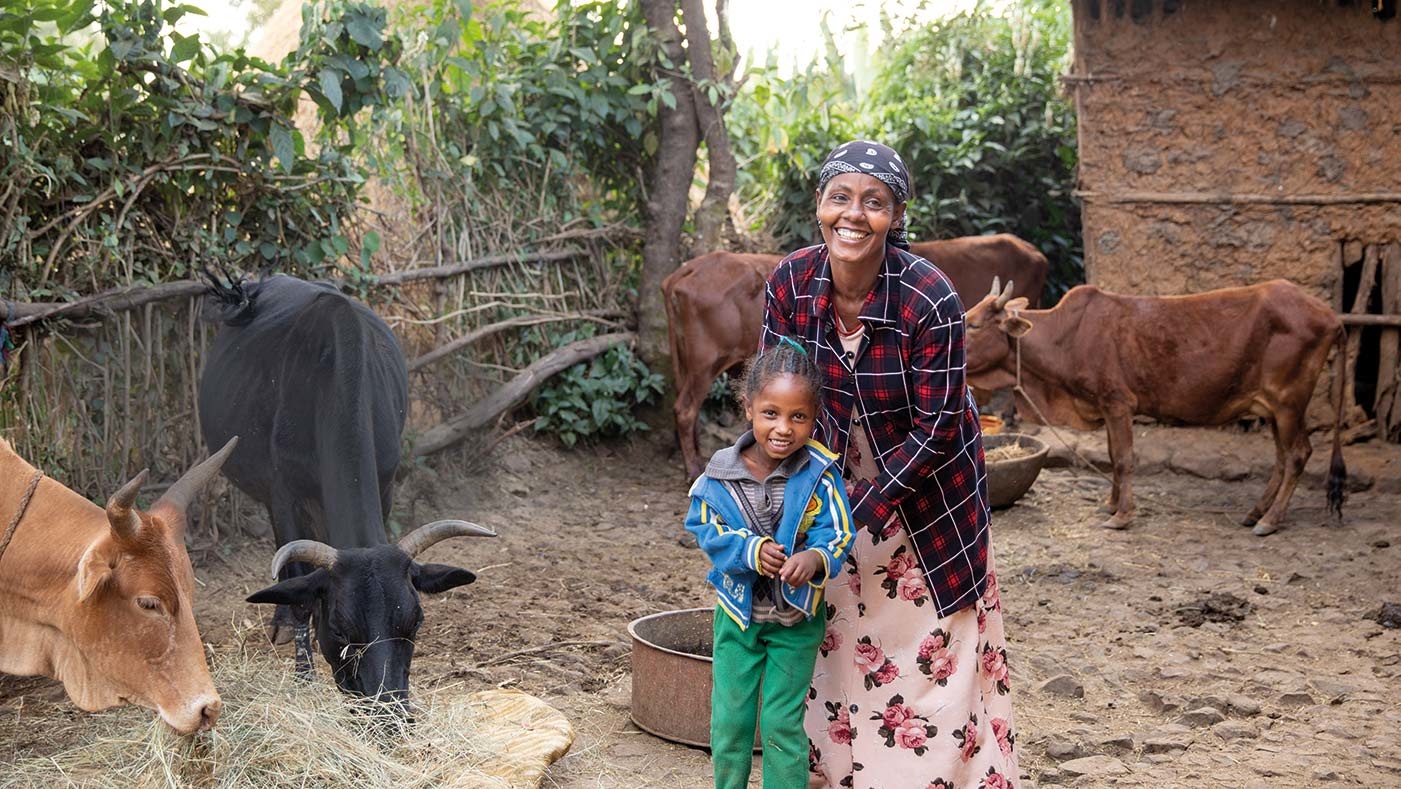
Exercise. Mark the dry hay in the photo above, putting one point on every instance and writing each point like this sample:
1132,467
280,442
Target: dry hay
1008,452
278,731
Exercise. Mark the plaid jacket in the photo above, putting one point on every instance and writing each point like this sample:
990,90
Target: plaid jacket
908,380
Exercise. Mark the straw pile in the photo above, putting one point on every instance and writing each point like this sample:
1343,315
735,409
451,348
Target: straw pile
278,731
1007,452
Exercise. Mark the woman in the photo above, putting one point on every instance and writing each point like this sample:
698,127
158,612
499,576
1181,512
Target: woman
911,684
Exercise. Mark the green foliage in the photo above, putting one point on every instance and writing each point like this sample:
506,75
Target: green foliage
546,121
137,154
972,104
597,398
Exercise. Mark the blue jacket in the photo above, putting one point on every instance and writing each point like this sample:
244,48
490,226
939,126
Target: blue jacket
720,528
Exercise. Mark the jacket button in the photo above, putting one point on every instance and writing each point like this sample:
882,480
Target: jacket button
850,355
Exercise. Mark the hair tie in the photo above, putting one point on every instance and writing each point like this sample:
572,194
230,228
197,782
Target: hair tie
785,339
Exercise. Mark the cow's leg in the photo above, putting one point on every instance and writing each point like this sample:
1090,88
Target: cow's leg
1118,422
1272,488
1296,450
690,396
290,622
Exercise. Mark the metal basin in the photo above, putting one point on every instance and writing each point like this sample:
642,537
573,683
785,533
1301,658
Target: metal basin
671,679
1009,480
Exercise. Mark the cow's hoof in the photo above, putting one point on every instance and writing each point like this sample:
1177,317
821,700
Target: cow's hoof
1251,518
1264,528
1115,523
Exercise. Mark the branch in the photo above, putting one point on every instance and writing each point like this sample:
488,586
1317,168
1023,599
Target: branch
439,272
515,391
467,339
115,300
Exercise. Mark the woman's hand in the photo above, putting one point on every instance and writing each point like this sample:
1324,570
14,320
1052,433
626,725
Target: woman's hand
771,558
801,567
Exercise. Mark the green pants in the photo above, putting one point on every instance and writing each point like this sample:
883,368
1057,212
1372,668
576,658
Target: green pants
778,659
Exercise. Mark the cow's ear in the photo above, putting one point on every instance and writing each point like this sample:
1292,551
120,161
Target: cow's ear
301,590
438,578
1016,326
1015,305
95,567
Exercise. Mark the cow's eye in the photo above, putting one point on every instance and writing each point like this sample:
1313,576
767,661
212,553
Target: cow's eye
150,603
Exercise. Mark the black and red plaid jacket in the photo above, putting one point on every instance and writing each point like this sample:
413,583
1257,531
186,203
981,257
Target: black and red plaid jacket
908,380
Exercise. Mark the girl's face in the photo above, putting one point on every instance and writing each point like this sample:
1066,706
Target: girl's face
856,211
782,412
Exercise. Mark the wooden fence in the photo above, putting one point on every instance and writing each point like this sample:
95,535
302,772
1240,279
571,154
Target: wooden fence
105,385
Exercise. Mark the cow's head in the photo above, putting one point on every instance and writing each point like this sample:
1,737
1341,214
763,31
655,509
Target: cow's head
133,630
991,326
367,604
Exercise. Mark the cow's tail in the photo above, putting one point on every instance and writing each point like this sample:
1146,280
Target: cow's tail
1337,470
228,299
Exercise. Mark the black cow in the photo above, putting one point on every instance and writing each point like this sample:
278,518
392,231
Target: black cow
315,384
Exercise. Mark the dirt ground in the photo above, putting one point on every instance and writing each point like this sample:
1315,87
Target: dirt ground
1182,652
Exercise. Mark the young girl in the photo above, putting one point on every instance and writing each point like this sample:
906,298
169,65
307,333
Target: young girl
771,513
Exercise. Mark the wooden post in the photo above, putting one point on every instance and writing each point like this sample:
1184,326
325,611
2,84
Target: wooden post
1354,337
1388,409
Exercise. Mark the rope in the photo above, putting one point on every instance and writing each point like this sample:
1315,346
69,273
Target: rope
23,505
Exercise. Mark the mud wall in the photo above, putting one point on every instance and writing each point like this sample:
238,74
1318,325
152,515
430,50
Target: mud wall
1224,143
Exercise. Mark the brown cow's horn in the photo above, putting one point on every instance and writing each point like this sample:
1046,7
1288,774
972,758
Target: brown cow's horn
419,540
179,496
119,507
1006,294
309,551
996,286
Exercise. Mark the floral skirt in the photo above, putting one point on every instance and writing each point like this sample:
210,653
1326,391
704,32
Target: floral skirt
901,698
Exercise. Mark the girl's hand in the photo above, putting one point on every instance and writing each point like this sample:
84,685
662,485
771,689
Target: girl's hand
771,558
801,567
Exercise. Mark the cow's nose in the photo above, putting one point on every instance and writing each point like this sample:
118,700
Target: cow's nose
209,714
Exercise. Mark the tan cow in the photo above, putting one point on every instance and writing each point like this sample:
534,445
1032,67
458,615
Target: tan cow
715,307
103,600
1099,358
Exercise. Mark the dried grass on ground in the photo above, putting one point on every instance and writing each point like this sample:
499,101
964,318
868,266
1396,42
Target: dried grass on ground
275,731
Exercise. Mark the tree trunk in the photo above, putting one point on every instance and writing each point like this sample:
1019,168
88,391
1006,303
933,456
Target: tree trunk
667,196
713,217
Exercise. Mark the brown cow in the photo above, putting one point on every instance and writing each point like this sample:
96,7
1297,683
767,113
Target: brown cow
1206,359
715,308
102,600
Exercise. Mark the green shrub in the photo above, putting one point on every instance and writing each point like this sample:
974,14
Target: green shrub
597,398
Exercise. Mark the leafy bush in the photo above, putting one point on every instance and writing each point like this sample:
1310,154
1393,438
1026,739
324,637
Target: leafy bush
137,154
597,398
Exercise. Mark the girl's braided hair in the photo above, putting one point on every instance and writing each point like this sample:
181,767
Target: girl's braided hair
786,358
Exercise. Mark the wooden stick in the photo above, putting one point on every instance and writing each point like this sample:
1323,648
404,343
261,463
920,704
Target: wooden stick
131,297
453,346
1370,320
1223,198
515,391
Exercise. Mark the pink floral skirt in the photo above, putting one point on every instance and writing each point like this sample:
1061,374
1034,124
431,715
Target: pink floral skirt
901,698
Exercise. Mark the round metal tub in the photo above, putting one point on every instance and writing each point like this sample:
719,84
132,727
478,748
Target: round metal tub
671,679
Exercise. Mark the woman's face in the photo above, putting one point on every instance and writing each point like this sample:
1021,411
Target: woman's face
856,211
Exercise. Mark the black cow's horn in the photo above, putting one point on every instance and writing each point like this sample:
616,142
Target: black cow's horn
179,495
119,507
309,551
419,540
1006,294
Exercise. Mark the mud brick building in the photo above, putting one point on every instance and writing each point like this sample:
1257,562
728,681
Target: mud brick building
1226,143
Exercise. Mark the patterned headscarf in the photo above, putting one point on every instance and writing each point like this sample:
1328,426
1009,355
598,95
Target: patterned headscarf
879,161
